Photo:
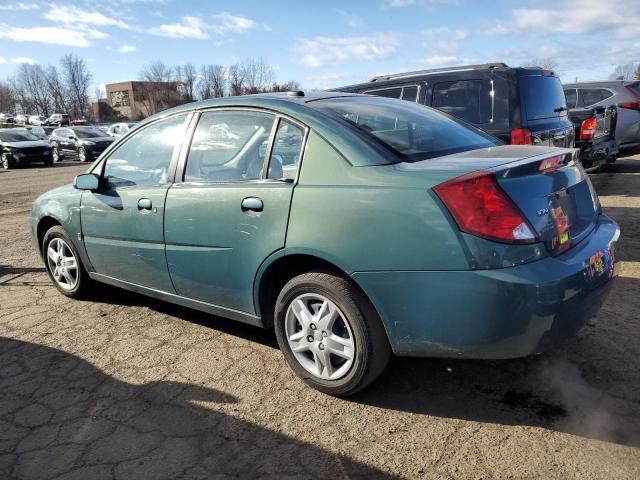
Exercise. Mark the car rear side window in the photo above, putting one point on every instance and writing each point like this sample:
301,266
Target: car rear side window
410,93
591,96
229,146
571,95
410,131
543,96
286,151
470,100
386,92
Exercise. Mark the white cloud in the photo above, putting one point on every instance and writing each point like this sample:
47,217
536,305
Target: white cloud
322,51
127,48
574,16
51,35
408,3
226,22
439,61
444,33
195,27
19,6
188,27
28,60
3,60
74,15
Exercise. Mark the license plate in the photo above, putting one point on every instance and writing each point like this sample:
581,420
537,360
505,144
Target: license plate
600,263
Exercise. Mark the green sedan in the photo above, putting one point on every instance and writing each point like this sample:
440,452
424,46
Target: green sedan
355,226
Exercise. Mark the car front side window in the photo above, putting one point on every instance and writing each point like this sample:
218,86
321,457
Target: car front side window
144,159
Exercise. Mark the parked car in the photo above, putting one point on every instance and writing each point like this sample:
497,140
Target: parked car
520,106
38,120
7,118
353,247
22,119
86,143
38,132
625,95
18,146
595,136
58,119
119,129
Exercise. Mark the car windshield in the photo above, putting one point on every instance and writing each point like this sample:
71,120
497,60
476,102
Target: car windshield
413,132
13,136
89,132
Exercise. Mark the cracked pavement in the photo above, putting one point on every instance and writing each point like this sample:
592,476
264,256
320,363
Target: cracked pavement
127,387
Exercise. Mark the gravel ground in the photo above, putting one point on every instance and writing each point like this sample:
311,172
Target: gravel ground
127,387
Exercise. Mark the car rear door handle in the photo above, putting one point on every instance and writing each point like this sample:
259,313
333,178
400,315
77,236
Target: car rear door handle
144,204
252,203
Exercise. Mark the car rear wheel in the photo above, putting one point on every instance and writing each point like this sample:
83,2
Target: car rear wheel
63,263
82,154
329,334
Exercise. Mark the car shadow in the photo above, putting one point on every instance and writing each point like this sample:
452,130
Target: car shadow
9,275
615,182
61,415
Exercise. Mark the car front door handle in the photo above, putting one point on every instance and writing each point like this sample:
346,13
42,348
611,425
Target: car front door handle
252,203
144,204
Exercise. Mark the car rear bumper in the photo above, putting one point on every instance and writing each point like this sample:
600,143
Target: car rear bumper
493,314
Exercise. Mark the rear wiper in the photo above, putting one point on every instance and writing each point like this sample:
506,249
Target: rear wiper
560,109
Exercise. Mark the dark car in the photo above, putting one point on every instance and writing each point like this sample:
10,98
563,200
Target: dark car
625,95
58,119
595,131
87,143
520,106
18,146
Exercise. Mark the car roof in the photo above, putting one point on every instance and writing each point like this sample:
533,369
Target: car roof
346,141
600,83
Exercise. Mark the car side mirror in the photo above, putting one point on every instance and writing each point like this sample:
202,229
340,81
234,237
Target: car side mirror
86,181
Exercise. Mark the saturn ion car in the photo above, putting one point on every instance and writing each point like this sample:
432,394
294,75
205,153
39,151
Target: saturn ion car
355,226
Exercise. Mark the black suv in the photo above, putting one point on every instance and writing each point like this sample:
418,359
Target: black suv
517,105
87,143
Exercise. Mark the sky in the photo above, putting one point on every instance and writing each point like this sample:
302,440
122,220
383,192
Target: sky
321,44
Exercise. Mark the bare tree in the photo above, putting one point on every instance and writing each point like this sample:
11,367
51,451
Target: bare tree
77,79
158,89
547,63
290,86
59,93
7,99
213,82
623,72
258,75
30,89
236,80
187,75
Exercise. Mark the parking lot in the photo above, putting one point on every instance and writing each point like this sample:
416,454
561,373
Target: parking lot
123,386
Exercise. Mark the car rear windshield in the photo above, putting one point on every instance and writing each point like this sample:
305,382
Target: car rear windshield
88,132
543,97
411,131
17,136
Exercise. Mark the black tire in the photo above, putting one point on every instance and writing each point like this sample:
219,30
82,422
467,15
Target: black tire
49,160
372,349
7,162
84,283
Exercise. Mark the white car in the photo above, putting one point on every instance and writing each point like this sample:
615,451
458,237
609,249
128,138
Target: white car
6,118
118,129
21,119
37,120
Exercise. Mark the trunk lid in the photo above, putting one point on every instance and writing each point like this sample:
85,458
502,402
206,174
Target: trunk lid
548,185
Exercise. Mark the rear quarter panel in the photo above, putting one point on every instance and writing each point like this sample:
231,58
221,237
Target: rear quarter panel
368,218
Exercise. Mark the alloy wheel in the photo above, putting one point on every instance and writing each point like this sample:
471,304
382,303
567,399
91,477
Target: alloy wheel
55,155
82,155
62,264
320,336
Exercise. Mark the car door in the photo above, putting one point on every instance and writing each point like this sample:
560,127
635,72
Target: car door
228,212
122,223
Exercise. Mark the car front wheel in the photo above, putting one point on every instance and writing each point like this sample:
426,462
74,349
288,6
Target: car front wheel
329,334
55,154
63,263
82,154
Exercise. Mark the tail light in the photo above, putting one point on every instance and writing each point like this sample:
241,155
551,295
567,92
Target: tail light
520,136
480,207
588,128
630,105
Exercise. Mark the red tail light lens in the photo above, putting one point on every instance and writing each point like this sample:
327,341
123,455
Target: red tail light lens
520,136
630,105
480,207
588,128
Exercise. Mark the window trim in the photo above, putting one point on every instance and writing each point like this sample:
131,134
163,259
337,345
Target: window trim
401,87
100,165
186,146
